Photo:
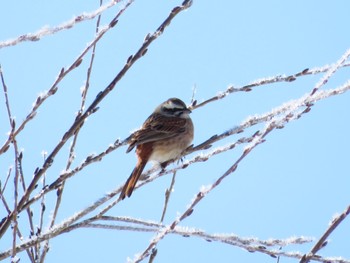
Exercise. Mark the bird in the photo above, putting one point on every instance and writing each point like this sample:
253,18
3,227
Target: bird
164,136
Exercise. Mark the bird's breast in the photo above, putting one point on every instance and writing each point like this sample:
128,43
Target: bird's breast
172,148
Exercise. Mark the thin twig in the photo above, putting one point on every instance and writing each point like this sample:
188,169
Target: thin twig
64,26
9,115
266,81
322,242
330,72
30,252
15,198
2,190
167,196
153,255
39,255
18,174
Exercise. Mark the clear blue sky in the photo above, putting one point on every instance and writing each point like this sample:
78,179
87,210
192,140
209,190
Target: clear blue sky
291,185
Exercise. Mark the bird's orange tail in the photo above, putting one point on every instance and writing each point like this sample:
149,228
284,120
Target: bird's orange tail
132,180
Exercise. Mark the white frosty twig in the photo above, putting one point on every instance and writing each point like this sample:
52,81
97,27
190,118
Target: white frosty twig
45,31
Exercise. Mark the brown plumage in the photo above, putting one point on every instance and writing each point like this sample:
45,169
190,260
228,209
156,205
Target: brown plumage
130,184
164,136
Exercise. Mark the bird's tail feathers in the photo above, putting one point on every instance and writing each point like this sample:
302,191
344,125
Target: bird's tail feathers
132,180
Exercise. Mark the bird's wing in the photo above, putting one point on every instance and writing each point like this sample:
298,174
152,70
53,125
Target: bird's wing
157,127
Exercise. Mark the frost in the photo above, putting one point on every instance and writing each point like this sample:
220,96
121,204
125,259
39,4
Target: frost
43,154
188,230
15,259
334,218
221,94
82,89
64,171
41,32
46,30
267,80
256,140
205,188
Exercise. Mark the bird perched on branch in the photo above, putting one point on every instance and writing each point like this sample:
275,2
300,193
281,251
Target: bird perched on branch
164,136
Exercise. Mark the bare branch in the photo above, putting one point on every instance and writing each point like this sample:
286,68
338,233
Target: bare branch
322,242
64,26
269,80
167,196
7,103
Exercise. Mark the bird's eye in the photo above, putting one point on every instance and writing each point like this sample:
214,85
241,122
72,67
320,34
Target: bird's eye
173,111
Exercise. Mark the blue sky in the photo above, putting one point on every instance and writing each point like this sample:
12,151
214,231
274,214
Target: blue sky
290,185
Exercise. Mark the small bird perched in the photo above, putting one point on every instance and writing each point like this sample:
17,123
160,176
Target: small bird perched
165,134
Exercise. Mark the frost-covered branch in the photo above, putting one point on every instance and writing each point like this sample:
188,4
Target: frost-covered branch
322,242
46,31
270,80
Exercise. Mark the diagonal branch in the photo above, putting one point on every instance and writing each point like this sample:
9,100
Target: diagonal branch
269,80
64,26
322,242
